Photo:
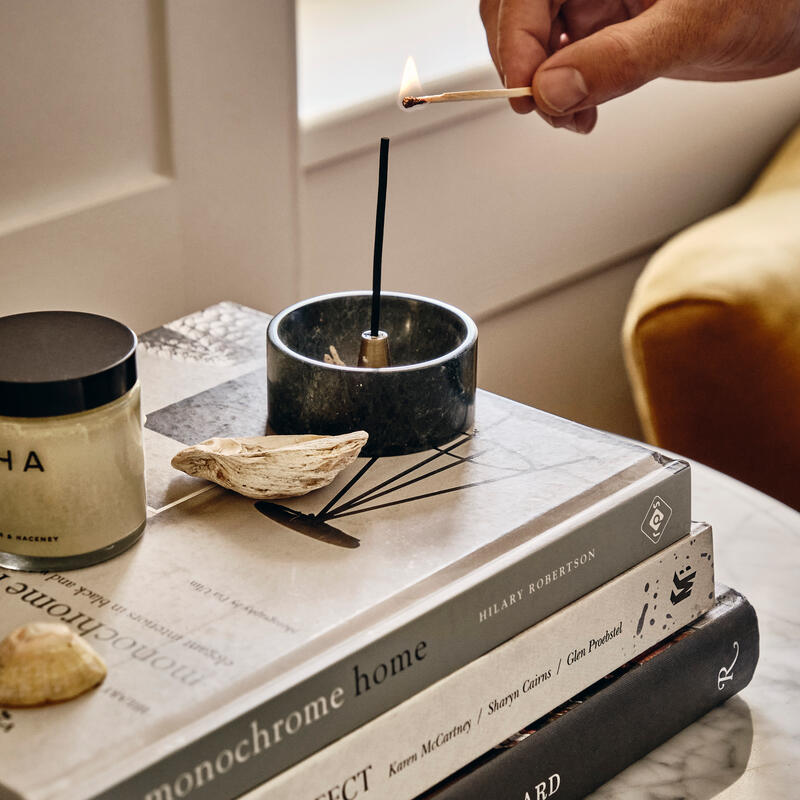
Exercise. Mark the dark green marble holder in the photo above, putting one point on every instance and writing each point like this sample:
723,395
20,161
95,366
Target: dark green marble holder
425,398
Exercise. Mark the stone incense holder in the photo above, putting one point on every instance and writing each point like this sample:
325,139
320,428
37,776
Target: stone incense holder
425,398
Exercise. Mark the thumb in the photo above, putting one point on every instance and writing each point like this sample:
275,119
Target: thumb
611,62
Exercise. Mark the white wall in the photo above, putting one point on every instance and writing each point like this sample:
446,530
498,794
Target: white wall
559,351
148,156
491,211
153,170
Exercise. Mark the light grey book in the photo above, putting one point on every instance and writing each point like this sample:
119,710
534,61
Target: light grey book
429,736
227,612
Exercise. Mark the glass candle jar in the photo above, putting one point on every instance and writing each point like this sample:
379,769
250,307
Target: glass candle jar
71,461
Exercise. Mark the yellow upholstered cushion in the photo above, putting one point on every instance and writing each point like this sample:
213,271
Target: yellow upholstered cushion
712,336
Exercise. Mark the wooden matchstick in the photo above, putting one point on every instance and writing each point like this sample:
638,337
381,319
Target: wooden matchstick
474,94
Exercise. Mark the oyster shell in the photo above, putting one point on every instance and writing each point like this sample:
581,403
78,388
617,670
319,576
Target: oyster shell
45,662
268,467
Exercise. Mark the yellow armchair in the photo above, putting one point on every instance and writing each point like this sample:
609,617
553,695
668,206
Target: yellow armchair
712,336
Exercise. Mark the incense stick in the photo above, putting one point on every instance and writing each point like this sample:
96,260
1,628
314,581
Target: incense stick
474,94
378,252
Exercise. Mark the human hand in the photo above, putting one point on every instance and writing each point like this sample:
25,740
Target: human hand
577,54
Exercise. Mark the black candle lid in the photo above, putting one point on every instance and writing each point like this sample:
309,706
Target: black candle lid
63,362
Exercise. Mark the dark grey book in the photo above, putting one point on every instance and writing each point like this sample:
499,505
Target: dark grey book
586,741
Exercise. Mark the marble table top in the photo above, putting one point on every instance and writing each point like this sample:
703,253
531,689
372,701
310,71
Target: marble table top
750,746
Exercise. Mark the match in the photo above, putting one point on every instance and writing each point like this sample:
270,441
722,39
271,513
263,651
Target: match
474,94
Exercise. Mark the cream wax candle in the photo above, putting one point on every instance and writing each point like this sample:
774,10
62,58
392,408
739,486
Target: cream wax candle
71,461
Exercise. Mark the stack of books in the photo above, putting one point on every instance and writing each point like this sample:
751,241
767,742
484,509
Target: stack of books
532,569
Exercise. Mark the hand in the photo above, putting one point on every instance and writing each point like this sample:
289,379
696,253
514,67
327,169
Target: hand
579,53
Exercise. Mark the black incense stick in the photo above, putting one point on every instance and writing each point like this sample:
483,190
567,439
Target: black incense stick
378,253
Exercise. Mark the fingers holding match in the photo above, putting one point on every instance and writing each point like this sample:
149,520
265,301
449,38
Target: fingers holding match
580,122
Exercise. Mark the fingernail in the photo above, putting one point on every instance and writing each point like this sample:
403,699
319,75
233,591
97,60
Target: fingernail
570,124
546,118
562,87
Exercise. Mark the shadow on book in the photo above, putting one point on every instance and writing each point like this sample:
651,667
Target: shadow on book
431,464
307,524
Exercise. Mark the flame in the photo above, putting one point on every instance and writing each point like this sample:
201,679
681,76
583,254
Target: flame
410,84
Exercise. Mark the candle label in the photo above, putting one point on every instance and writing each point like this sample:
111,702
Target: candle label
31,462
71,485
20,537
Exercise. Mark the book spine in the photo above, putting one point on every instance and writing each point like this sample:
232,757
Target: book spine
557,562
590,739
415,745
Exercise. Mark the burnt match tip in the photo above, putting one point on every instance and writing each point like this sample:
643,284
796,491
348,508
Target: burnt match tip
410,102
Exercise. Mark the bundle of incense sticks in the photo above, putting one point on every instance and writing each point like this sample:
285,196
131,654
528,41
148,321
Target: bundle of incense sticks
473,94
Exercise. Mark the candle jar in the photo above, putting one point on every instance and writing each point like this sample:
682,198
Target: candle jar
71,461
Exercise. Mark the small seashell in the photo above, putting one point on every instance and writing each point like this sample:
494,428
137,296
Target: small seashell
45,662
268,467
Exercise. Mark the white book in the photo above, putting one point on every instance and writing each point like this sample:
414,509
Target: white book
224,613
428,737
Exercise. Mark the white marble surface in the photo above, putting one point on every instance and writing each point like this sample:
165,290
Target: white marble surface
750,746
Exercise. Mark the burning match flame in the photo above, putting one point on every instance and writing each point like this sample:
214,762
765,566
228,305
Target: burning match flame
410,84
411,95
